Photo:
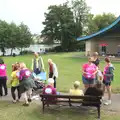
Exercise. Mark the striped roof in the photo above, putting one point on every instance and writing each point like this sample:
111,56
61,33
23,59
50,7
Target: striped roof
101,31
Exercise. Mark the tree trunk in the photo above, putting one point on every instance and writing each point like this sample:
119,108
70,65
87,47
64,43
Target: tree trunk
3,51
21,51
3,54
11,51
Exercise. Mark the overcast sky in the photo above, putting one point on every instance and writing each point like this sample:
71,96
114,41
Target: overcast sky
31,12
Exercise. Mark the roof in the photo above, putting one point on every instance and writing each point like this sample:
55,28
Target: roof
101,31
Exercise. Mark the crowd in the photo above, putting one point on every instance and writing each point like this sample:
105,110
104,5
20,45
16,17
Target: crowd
23,79
95,81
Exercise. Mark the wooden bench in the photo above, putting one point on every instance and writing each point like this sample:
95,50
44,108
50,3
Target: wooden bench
94,101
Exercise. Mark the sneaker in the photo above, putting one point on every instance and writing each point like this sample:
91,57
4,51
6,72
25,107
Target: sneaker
26,104
29,100
6,94
103,99
108,102
18,100
14,101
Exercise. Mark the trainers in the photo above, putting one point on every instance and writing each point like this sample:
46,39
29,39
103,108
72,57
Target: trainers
18,100
29,100
26,104
108,102
14,101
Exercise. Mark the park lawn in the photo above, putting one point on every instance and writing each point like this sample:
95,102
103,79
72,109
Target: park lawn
69,67
10,111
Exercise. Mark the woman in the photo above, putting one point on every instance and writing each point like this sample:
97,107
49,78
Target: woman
107,78
89,71
15,82
96,60
3,78
26,83
76,90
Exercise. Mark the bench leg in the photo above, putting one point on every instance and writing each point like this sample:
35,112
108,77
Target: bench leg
98,109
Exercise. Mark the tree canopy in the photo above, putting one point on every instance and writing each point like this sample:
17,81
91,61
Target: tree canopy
99,22
64,23
13,36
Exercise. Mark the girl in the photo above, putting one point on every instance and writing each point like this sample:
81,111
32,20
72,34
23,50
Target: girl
15,81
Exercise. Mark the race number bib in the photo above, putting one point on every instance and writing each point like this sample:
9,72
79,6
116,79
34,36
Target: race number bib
2,67
27,73
48,90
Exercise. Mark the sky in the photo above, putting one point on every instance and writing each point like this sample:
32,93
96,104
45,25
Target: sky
31,12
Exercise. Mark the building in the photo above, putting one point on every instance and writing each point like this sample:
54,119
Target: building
105,41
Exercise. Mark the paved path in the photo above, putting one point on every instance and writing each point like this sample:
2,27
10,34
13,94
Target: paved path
114,107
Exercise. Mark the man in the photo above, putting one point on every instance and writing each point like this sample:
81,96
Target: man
97,90
37,64
53,72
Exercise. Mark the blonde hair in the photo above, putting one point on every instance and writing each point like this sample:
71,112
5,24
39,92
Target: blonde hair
50,60
22,65
95,54
76,84
90,59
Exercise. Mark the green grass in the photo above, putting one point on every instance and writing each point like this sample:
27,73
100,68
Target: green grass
69,68
9,111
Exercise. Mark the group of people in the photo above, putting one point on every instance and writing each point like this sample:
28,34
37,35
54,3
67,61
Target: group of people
95,81
22,78
92,76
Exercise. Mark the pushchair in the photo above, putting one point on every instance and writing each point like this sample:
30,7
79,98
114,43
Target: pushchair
40,80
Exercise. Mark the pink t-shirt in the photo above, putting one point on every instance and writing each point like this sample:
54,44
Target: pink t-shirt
89,69
49,90
3,70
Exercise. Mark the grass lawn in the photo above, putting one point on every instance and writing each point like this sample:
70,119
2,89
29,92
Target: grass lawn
69,68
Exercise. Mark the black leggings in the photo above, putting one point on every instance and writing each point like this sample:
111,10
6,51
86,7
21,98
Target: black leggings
3,81
13,92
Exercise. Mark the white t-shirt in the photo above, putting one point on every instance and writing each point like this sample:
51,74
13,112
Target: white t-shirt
99,73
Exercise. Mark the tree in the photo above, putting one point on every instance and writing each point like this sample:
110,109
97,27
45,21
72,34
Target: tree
99,22
13,36
24,36
13,33
4,35
81,13
59,23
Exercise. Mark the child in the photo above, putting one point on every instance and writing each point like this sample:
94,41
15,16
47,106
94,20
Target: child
15,81
76,90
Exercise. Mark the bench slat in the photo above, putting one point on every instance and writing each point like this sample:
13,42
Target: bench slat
71,97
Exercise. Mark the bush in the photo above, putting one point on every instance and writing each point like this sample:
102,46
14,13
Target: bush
26,52
58,49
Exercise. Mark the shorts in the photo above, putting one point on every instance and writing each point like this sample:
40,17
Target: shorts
107,83
88,81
